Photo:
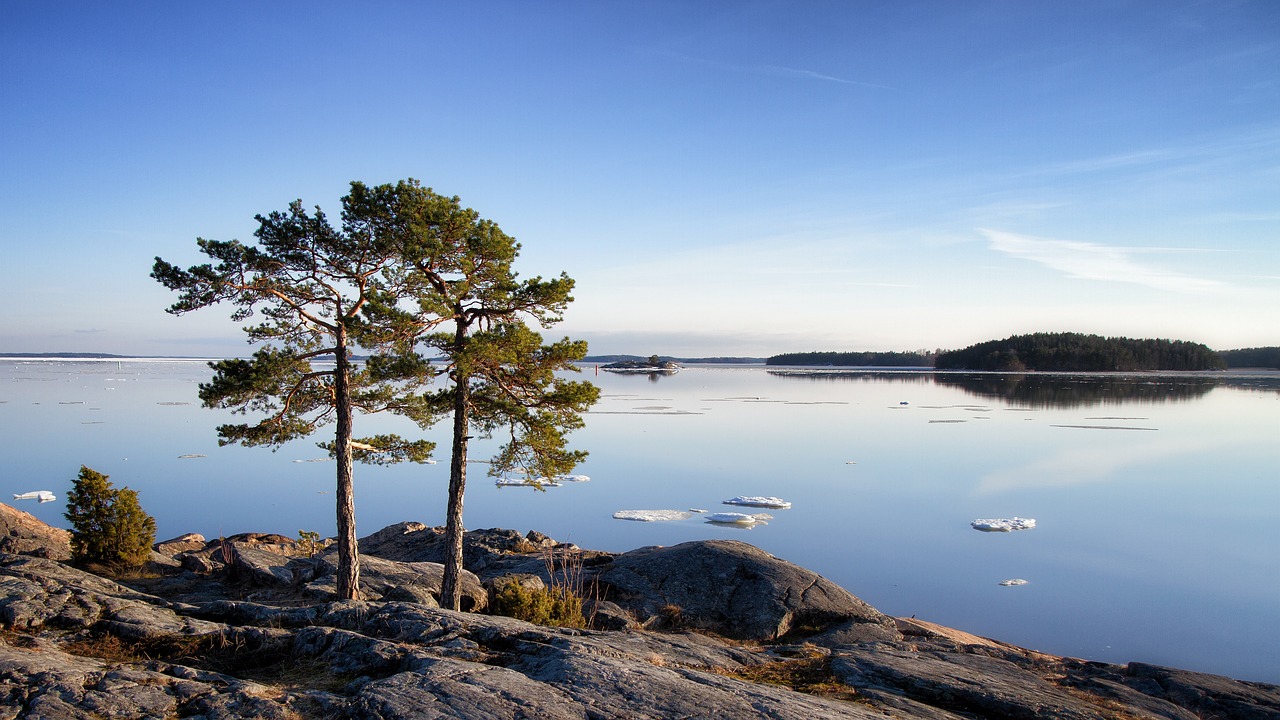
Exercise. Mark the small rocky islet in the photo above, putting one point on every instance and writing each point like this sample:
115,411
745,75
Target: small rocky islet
248,627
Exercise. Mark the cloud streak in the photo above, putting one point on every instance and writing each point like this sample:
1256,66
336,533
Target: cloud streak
1091,261
774,70
811,75
1074,467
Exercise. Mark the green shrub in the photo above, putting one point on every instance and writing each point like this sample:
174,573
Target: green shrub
108,526
309,542
555,606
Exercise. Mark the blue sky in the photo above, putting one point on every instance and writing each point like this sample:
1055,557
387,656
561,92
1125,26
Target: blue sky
721,178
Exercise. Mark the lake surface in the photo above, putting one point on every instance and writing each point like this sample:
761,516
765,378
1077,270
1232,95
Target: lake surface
1156,497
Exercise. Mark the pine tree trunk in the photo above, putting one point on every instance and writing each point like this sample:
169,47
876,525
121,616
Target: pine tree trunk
348,552
451,585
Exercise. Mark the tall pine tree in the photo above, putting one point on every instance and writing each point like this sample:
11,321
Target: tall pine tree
471,313
310,283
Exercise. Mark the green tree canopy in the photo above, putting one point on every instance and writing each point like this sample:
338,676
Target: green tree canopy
1080,353
310,283
471,312
108,526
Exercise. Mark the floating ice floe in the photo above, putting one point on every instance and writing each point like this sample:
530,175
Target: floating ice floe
568,478
733,518
758,501
1013,582
697,510
43,496
652,515
191,456
1003,524
525,482
324,459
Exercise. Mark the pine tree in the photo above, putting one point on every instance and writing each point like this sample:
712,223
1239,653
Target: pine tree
311,283
109,527
499,374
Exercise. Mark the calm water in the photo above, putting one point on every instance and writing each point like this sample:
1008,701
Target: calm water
1157,500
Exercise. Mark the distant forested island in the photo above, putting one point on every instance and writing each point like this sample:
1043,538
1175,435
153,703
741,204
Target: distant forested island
855,359
1039,351
76,355
1263,357
1081,353
1064,352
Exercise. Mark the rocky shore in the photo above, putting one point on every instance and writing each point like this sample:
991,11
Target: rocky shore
248,627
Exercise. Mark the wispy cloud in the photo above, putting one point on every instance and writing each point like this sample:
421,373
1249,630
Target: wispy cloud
1247,145
809,74
1110,162
1093,464
1091,261
773,70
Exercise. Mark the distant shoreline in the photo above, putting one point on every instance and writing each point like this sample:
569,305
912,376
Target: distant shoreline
91,356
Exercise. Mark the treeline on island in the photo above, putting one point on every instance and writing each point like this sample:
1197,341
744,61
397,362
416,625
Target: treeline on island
855,359
1263,357
1081,353
1070,352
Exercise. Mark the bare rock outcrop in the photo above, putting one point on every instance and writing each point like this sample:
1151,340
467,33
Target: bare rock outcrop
736,590
381,579
76,645
21,533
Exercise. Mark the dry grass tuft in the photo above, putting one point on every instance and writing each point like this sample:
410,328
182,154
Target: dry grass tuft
810,675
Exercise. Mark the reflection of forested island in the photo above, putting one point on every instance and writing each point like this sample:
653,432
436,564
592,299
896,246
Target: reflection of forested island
913,375
1078,391
1076,352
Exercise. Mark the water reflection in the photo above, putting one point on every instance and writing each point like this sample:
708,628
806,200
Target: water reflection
850,375
653,375
1045,390
1073,391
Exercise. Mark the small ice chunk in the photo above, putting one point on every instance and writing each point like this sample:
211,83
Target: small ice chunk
1003,524
525,482
43,496
652,515
191,456
758,501
554,481
1012,582
697,510
733,518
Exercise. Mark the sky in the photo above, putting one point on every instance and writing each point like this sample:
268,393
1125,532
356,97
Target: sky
719,178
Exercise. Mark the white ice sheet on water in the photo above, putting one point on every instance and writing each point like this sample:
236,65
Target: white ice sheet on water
43,496
1003,524
525,482
759,501
733,518
652,515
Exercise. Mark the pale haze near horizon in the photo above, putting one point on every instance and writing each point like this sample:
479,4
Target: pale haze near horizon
719,178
